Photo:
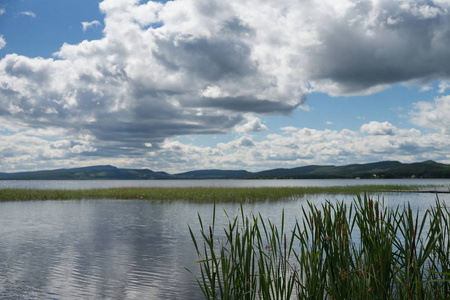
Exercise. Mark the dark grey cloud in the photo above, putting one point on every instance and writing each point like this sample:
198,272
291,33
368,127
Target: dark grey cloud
211,59
247,104
382,45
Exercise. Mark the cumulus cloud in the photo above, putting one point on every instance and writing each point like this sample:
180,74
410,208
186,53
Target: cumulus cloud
304,146
164,70
26,147
434,115
87,25
379,128
195,72
377,43
253,124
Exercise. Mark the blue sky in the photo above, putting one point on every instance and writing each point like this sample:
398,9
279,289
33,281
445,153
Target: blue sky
192,84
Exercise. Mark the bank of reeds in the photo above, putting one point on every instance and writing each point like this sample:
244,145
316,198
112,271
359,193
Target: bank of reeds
195,194
361,250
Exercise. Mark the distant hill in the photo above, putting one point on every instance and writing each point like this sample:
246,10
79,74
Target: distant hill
379,169
213,174
383,169
94,172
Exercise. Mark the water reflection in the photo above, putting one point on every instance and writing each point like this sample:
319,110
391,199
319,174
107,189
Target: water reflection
94,249
117,249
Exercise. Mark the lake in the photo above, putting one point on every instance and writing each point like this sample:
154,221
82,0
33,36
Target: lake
128,249
89,184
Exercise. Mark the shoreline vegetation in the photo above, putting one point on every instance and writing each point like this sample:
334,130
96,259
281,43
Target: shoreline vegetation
336,250
207,194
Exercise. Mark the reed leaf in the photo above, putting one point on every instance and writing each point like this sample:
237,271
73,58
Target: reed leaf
359,250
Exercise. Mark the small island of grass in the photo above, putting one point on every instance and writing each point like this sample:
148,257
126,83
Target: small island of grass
200,194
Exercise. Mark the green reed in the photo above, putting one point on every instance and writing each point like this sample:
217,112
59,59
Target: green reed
360,250
251,262
195,194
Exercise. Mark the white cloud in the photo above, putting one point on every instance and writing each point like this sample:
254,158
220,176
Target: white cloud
143,83
213,92
253,124
443,86
87,25
2,11
434,115
2,42
28,13
54,148
164,70
426,88
23,147
379,128
289,128
304,146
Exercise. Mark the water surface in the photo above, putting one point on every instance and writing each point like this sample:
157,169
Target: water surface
121,249
90,184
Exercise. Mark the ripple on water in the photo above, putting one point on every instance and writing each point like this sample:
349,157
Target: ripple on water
111,249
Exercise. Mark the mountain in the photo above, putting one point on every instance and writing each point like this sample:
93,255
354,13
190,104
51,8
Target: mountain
383,169
213,174
426,169
94,172
379,169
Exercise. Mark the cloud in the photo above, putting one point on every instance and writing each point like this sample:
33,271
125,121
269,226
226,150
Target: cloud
434,115
379,128
54,147
443,86
2,42
426,88
289,128
253,124
28,13
164,70
87,25
304,146
197,73
239,144
363,51
2,11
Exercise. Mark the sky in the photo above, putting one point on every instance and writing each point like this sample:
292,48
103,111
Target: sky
206,84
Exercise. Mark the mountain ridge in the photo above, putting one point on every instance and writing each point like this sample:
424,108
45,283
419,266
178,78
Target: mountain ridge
382,169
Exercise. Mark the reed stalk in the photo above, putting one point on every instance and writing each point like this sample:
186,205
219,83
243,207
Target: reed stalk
360,250
196,194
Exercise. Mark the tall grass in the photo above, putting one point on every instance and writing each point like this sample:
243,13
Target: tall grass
361,250
194,194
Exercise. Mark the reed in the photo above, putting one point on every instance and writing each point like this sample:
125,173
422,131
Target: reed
360,250
195,194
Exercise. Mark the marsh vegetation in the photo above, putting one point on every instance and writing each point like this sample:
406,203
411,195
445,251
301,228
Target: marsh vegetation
196,194
357,250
